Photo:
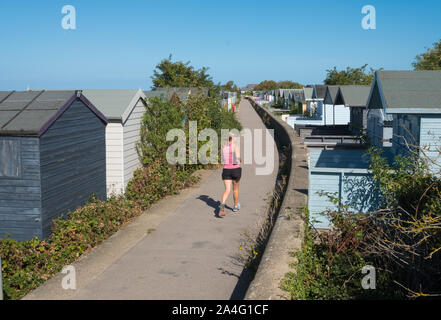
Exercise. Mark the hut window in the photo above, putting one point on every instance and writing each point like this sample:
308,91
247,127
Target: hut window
10,158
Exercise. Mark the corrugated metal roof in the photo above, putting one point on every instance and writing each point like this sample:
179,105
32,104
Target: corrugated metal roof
112,103
356,96
411,89
28,111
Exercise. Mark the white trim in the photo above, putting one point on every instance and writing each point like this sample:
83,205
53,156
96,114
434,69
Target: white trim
138,95
383,98
380,90
371,92
122,161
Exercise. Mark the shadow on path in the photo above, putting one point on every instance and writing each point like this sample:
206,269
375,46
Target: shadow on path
213,204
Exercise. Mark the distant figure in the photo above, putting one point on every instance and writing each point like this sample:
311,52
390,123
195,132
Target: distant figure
234,108
231,173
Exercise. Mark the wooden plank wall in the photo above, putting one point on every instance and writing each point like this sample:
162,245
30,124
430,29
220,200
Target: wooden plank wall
343,174
132,128
406,130
20,195
430,138
73,162
115,159
342,115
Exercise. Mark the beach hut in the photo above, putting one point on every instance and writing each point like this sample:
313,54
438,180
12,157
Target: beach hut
298,99
307,99
52,158
355,98
124,109
411,101
334,111
343,174
318,95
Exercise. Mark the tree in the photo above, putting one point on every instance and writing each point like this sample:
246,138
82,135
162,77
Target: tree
430,60
169,74
266,85
289,85
350,76
159,118
230,86
273,85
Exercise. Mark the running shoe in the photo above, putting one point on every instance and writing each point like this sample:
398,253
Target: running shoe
222,210
236,208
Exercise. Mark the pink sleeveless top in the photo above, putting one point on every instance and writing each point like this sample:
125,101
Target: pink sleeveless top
229,157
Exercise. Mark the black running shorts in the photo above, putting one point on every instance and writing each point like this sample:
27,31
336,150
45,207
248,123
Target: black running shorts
232,174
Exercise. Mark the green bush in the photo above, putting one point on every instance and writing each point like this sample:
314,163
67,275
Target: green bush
27,264
328,266
157,180
402,240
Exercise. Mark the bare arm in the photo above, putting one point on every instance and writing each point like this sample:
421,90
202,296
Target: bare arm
237,152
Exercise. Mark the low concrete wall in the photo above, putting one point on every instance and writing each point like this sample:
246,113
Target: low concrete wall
287,233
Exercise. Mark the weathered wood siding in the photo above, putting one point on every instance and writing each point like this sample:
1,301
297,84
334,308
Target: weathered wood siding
406,133
299,120
131,129
430,138
358,120
328,113
342,115
114,159
379,133
73,162
336,115
319,109
322,182
20,192
342,174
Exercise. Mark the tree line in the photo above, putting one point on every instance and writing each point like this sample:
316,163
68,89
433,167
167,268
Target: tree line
429,60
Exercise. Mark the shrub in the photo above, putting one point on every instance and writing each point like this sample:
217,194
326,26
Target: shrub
402,240
329,264
27,264
157,180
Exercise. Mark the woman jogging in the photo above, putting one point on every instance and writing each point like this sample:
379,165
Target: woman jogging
231,173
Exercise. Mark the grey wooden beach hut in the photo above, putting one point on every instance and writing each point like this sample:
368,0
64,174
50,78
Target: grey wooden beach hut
411,103
355,97
52,158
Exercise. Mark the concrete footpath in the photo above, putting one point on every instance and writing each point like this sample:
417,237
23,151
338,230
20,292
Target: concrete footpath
179,249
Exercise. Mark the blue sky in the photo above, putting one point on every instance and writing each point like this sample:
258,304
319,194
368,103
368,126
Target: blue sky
118,43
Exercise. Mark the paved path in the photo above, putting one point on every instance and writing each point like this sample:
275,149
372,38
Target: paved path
190,254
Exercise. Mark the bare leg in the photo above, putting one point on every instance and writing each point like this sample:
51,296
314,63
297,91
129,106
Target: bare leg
236,192
227,184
